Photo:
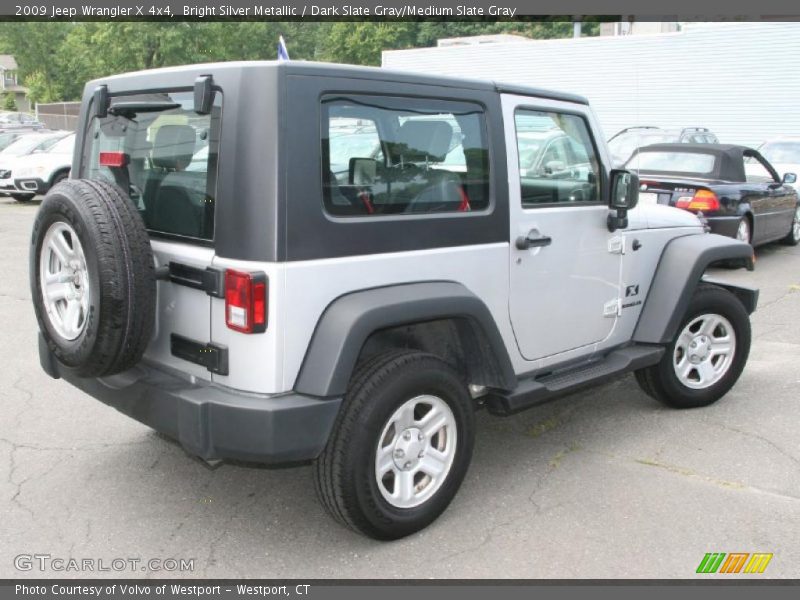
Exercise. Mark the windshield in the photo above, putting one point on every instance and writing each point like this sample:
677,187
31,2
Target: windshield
6,139
781,152
673,162
29,143
64,145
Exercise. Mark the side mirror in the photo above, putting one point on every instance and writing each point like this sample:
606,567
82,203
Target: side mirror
624,196
789,178
362,171
554,166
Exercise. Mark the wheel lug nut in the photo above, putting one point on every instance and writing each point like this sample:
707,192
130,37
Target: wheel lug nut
421,436
399,453
421,454
407,435
407,466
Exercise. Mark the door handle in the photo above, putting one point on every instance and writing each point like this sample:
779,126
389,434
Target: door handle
533,240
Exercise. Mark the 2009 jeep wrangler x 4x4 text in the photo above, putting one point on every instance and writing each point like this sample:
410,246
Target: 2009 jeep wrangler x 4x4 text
287,262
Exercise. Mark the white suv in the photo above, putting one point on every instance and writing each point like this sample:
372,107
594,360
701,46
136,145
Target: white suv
39,171
212,273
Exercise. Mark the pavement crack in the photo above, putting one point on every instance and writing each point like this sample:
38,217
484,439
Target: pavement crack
782,451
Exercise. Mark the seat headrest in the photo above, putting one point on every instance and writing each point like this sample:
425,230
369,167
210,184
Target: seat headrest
174,147
419,141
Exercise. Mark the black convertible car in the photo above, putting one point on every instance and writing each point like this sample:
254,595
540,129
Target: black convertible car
734,187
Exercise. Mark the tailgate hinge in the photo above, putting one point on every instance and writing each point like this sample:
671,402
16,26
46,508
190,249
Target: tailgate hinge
210,280
212,356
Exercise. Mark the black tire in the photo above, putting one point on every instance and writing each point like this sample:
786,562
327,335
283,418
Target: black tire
792,238
661,382
345,472
119,267
22,197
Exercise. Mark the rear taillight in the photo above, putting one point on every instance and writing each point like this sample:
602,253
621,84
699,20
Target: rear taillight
704,200
113,159
246,301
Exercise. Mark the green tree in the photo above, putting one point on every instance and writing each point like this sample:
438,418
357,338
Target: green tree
56,59
9,103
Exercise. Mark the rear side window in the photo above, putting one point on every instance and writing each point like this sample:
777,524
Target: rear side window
396,156
169,159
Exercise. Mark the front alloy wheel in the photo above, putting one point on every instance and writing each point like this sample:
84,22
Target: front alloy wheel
708,354
704,351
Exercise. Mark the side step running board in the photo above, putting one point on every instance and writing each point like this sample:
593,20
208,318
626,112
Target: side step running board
537,390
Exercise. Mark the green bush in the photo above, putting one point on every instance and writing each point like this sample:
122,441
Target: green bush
9,103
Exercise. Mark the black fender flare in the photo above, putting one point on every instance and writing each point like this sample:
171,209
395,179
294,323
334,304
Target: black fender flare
681,268
349,320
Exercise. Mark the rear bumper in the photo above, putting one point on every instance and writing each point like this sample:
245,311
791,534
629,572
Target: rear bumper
726,226
209,421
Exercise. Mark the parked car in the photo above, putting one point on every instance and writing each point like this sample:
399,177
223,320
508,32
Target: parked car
18,119
359,323
15,154
9,136
750,202
623,143
783,154
39,171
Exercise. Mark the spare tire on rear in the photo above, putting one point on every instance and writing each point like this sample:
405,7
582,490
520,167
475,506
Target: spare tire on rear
92,277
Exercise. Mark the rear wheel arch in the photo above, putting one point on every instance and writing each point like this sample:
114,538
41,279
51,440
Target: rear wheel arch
441,318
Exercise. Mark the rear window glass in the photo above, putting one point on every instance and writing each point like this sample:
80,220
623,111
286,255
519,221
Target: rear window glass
390,156
673,162
170,159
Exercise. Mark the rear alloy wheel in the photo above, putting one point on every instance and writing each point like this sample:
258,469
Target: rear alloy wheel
415,451
793,237
743,233
708,354
400,446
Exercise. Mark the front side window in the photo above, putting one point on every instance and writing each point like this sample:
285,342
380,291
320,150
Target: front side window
399,156
169,159
557,160
756,171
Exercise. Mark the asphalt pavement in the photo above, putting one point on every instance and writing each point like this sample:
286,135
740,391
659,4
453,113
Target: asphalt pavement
603,484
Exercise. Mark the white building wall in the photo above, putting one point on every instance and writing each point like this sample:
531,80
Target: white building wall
741,80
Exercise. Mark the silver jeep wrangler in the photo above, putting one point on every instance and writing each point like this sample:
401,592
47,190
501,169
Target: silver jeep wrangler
291,262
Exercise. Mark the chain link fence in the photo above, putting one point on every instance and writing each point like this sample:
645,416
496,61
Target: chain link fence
59,115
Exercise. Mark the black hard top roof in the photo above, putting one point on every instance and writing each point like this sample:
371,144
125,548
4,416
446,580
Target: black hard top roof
729,163
295,67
